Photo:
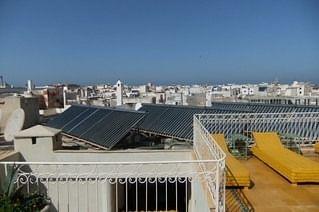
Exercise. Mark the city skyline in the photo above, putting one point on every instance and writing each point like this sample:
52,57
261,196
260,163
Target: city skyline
127,83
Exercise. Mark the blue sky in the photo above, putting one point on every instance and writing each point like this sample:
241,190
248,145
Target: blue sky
162,41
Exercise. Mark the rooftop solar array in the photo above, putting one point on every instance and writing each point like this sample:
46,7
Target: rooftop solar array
103,127
173,121
264,108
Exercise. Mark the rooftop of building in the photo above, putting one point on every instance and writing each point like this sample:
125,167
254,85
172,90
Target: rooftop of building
38,131
4,153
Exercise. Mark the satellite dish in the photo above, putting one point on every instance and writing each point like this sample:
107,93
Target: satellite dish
14,124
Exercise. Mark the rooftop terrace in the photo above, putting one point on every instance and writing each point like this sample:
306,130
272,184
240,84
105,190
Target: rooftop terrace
272,192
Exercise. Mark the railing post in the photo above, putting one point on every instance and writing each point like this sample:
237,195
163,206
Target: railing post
224,185
6,169
217,188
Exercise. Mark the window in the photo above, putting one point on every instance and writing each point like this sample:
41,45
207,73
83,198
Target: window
34,140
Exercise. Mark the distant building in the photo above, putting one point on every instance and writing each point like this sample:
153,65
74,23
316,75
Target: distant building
49,97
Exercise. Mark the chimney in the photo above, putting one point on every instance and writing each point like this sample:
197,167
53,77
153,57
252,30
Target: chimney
64,96
30,86
119,93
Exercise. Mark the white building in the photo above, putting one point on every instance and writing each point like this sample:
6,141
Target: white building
129,179
247,90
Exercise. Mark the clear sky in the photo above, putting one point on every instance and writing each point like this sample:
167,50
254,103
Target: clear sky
162,41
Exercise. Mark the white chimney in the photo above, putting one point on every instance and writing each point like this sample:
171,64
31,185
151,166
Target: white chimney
208,99
119,93
30,86
64,96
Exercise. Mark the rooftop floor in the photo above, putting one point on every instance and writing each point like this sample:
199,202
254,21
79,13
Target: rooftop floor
4,153
272,192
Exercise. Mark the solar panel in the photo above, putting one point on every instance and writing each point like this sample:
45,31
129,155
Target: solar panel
264,108
68,115
104,127
112,128
177,121
77,119
89,122
173,121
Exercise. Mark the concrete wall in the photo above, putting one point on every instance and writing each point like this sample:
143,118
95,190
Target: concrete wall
42,150
100,195
199,200
47,149
30,105
77,196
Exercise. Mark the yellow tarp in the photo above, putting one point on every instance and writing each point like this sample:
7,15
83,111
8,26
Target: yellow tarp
291,165
317,147
238,170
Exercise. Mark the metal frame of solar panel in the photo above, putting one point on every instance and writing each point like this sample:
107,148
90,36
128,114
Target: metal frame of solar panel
173,121
265,108
99,126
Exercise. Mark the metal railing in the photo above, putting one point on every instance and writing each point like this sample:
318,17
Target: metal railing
236,200
112,186
304,125
205,147
129,186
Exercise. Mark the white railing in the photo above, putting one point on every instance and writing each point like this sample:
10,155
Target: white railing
105,186
305,126
186,185
206,148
